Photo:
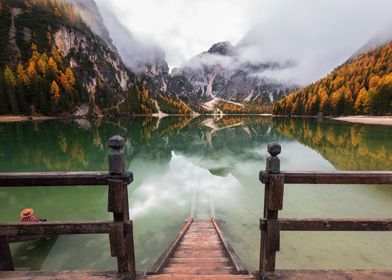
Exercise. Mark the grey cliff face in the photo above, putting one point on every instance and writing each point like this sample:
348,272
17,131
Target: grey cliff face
219,72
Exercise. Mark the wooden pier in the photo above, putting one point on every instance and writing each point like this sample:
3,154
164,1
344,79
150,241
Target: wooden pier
200,251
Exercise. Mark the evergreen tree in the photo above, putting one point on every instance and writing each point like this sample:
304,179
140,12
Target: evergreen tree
10,82
3,98
361,102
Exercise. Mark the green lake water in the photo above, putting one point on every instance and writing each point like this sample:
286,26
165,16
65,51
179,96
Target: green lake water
211,163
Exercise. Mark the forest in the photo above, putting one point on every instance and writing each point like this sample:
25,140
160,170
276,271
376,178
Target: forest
362,85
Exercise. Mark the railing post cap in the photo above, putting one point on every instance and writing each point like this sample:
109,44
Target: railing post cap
116,142
274,149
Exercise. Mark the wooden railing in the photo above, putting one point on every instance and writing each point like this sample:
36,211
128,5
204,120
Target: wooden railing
120,229
271,225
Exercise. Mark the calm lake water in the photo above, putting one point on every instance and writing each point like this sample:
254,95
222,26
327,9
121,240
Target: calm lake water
212,164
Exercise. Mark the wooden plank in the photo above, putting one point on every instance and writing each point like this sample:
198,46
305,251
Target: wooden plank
337,177
275,193
196,260
5,255
330,275
130,248
198,270
65,275
117,240
235,259
201,243
118,204
332,224
267,254
37,179
198,277
116,196
198,248
54,228
199,254
273,235
23,238
168,252
198,264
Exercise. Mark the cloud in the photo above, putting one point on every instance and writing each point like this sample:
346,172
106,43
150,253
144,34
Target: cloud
315,35
184,28
136,52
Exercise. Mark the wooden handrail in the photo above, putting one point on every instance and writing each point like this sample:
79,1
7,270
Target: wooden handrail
157,267
55,228
275,180
37,179
120,230
236,261
336,177
331,224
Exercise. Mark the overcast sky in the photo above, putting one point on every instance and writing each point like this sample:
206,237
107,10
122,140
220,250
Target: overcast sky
316,34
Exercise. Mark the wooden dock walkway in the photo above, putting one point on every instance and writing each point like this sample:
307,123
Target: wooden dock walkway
199,252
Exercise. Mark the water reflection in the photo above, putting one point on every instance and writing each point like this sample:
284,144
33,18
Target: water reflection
346,146
198,166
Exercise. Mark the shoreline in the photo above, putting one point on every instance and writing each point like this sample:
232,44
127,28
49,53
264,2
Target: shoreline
383,120
372,120
21,118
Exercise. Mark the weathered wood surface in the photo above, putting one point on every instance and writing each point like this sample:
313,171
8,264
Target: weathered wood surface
337,177
275,192
65,275
157,267
117,193
273,202
5,255
23,238
117,241
330,275
235,260
331,224
36,179
199,252
278,275
55,228
199,277
122,246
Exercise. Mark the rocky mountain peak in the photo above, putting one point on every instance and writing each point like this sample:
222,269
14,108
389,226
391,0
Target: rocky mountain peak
222,48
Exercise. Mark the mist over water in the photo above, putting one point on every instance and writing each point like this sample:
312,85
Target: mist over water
200,166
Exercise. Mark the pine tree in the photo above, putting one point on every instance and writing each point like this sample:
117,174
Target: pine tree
55,91
70,77
53,66
3,98
10,82
42,66
64,83
360,103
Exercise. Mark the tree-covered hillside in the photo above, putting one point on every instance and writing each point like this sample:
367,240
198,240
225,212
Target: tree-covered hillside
52,63
362,85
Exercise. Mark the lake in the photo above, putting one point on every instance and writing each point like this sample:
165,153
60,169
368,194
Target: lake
208,164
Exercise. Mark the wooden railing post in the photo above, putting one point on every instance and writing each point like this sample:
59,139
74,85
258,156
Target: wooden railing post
121,235
5,255
273,202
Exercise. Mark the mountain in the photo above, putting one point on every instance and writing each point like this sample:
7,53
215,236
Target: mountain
72,58
52,62
58,58
221,73
362,85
